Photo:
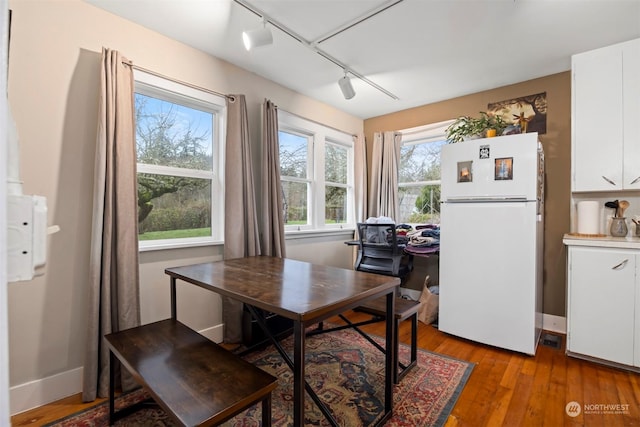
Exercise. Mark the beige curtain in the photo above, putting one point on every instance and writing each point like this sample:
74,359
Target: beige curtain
113,286
241,224
385,164
360,177
273,242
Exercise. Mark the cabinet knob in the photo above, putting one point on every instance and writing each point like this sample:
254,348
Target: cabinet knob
621,265
635,180
609,181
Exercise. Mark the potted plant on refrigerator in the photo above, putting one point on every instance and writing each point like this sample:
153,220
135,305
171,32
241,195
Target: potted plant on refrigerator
466,127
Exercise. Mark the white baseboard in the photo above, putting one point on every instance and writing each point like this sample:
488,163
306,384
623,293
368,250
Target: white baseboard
46,390
36,393
554,323
214,333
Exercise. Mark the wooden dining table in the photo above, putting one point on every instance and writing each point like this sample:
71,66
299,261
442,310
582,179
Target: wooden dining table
304,292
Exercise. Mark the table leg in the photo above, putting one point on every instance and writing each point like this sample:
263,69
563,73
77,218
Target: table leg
296,366
298,374
173,298
390,363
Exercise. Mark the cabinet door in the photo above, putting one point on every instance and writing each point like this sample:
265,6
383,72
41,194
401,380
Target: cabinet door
597,120
631,84
601,303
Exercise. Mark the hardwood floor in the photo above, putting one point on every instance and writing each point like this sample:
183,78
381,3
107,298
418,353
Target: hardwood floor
505,388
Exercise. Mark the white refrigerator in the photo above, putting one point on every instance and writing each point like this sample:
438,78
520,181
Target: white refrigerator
491,241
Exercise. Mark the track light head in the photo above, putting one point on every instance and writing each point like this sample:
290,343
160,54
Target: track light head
346,87
256,38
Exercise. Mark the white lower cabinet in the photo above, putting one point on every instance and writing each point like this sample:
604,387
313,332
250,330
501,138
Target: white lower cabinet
604,304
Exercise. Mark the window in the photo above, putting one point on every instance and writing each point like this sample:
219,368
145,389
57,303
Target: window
316,170
419,174
179,134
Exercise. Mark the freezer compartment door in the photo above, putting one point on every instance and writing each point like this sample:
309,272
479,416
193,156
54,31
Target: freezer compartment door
492,168
489,273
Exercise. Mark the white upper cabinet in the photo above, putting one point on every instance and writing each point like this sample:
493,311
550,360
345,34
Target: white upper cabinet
631,111
606,118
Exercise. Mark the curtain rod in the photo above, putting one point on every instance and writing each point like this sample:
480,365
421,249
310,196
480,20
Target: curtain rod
316,122
162,76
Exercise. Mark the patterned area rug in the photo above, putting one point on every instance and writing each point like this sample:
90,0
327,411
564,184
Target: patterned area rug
347,373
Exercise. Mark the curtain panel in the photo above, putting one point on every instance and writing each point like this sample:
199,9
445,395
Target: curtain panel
360,177
113,286
241,237
385,166
273,241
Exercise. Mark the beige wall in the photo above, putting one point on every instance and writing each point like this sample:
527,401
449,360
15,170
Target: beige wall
557,148
53,89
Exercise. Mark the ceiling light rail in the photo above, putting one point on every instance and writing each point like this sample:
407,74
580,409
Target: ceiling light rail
314,47
357,21
356,74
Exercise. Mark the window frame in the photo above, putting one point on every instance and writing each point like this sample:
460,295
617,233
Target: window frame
319,136
348,185
174,92
430,133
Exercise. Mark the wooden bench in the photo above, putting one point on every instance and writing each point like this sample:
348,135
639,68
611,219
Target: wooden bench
196,382
405,309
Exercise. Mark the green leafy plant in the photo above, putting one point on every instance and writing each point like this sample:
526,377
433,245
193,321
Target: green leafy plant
467,127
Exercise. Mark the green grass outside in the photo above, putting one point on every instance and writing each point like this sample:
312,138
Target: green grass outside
175,234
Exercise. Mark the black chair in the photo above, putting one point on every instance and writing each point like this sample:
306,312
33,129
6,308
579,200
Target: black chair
379,251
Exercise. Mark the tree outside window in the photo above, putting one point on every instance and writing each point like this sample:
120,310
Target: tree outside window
419,182
294,168
176,139
336,184
316,172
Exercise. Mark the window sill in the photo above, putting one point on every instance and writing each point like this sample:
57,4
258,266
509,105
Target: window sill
289,235
178,245
305,234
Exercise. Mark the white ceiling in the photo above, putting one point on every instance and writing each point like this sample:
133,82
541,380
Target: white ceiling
421,51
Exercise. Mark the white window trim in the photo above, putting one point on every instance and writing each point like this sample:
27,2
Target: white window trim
420,135
153,85
320,134
425,133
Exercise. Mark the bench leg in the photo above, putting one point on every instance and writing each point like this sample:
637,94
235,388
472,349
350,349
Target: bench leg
266,411
403,370
414,338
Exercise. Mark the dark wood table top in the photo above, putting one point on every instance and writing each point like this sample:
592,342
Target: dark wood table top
296,290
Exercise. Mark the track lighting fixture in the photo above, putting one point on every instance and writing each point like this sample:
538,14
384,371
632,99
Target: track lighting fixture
346,87
258,37
262,36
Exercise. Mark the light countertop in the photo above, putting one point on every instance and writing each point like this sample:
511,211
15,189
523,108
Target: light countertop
603,242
